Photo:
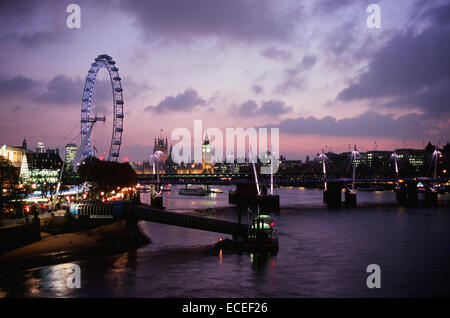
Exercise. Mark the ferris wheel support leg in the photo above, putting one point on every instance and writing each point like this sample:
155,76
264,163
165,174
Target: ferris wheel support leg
83,145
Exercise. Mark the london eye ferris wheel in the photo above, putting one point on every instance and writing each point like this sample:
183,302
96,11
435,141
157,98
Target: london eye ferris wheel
106,139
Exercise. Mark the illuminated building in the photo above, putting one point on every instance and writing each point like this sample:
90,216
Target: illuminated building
45,166
206,166
376,159
171,166
360,159
70,153
161,145
41,176
190,168
289,166
40,146
49,159
222,168
15,154
142,168
413,157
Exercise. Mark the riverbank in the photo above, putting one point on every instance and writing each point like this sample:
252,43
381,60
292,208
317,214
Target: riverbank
60,248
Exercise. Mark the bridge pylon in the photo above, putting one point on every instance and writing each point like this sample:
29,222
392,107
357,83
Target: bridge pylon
332,195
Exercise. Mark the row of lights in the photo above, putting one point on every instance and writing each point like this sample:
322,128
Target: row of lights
117,196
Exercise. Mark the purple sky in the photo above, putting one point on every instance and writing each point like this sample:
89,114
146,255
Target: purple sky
312,68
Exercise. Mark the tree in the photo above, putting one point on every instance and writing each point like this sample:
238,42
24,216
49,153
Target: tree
106,175
9,180
24,174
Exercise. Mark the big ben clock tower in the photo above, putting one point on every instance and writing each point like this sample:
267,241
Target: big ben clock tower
206,156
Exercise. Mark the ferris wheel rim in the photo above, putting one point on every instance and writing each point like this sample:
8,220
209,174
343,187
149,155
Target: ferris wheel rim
86,122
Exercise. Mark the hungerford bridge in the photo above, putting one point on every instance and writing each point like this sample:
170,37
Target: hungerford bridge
250,186
278,180
249,190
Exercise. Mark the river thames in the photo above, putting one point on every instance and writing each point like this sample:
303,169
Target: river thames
323,253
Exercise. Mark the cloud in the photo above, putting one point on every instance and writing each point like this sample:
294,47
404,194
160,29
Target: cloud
247,108
16,86
434,100
273,108
437,14
185,101
32,23
412,70
274,53
13,10
295,76
35,39
369,124
251,20
331,6
407,63
341,39
257,89
21,22
61,90
15,108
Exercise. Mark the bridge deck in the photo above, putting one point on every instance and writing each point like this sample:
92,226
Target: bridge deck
123,209
280,180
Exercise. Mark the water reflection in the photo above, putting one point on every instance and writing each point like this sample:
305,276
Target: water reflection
260,259
121,274
56,278
173,201
127,260
39,282
32,285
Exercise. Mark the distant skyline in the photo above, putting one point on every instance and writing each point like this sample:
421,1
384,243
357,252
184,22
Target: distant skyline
312,68
349,148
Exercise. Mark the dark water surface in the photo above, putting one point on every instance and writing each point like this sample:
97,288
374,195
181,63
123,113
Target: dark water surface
323,253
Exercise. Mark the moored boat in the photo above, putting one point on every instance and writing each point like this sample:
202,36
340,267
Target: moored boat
262,234
261,237
192,191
